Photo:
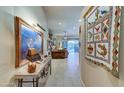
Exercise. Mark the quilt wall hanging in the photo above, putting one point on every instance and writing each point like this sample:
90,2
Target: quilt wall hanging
102,33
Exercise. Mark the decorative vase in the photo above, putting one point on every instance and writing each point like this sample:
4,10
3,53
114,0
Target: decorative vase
31,67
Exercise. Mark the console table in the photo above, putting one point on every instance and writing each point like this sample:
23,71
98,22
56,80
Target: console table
22,73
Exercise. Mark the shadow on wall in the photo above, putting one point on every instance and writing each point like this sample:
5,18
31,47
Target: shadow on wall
96,79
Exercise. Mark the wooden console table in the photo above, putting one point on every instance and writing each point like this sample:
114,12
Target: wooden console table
22,73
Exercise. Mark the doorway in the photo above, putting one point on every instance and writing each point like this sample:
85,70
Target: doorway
73,46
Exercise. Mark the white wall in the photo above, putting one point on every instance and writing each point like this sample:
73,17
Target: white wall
7,47
93,75
32,15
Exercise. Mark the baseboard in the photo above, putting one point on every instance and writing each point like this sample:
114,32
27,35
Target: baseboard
82,82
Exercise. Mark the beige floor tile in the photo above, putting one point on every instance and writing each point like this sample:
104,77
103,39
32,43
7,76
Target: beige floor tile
66,72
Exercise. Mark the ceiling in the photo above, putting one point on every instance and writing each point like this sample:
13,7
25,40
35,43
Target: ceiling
63,19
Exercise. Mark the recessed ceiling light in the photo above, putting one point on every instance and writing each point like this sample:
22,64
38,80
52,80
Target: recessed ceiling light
59,23
79,20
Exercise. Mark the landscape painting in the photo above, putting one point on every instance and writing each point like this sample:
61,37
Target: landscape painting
30,39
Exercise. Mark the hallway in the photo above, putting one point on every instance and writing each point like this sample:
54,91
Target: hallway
65,72
35,39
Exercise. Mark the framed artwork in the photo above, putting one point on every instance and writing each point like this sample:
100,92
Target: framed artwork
102,29
27,37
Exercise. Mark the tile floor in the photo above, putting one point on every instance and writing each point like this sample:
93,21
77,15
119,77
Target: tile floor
65,73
